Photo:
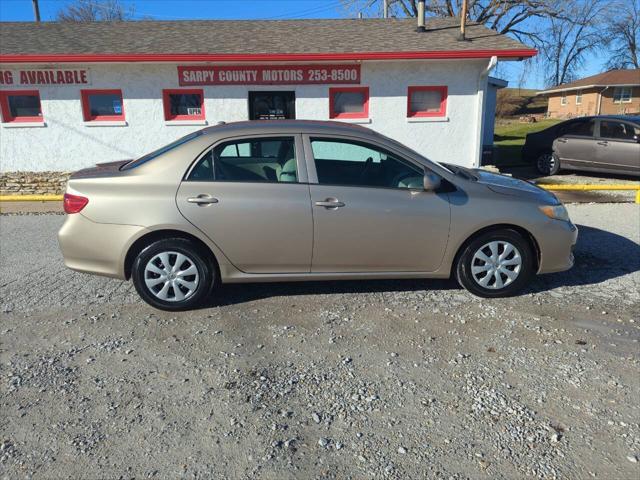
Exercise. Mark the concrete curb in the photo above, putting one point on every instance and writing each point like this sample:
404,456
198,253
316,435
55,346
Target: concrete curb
31,198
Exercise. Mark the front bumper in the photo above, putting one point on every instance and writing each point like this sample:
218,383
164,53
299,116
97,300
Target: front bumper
98,248
556,250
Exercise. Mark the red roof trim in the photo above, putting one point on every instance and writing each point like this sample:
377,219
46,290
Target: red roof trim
279,57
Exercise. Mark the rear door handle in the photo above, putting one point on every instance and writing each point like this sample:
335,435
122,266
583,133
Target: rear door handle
330,203
604,143
203,199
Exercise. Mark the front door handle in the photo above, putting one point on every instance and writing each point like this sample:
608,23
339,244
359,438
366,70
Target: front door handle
330,203
203,200
603,143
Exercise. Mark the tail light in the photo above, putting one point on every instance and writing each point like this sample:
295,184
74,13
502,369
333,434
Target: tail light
74,203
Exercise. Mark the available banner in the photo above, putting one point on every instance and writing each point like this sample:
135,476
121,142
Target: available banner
268,75
42,76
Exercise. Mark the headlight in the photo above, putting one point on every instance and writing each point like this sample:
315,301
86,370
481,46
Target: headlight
557,212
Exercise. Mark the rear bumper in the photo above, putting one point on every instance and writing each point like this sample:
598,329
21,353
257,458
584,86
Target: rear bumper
556,253
97,248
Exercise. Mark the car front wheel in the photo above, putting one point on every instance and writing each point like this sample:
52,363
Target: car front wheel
548,164
173,274
496,264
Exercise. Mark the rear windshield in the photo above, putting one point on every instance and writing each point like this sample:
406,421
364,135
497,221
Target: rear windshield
156,153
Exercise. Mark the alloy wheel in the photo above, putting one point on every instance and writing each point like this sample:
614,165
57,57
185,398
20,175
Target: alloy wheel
546,163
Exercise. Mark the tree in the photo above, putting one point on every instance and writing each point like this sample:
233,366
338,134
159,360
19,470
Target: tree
570,36
623,38
515,17
85,11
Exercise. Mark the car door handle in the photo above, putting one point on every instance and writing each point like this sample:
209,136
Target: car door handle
330,203
202,200
562,140
604,143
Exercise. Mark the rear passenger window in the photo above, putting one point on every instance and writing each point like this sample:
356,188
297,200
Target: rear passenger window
617,130
255,160
580,128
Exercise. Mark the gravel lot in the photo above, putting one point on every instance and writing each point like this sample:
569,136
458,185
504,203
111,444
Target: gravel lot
402,379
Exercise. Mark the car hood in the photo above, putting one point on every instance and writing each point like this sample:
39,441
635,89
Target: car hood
505,185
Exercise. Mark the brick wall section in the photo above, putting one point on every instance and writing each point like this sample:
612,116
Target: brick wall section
589,105
33,183
610,108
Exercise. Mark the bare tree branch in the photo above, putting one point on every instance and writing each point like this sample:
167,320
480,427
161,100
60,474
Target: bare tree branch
569,37
85,11
503,16
623,37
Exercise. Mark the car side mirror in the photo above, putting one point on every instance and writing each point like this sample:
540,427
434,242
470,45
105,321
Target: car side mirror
432,181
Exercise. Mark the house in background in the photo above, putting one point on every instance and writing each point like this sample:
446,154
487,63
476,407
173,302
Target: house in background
616,92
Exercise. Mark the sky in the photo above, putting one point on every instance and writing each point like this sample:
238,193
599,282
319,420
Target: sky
517,73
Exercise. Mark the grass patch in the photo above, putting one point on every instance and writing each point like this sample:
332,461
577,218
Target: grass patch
509,137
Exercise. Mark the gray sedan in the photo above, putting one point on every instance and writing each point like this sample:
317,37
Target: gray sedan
606,144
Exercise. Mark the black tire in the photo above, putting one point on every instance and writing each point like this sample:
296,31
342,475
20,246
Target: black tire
467,259
204,282
548,164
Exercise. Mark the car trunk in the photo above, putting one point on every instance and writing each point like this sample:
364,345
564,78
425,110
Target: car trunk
109,169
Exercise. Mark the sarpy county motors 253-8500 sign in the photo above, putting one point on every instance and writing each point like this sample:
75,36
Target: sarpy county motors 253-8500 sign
268,75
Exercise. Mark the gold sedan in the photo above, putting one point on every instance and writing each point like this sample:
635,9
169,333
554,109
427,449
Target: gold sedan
305,200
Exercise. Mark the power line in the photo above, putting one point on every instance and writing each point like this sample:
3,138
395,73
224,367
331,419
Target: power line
294,14
317,9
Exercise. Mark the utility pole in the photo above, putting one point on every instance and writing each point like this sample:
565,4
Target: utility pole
385,9
36,10
463,21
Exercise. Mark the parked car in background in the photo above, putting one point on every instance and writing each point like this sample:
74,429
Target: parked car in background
304,200
605,144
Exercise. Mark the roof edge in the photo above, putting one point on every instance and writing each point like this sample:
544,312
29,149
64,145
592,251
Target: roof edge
200,57
585,87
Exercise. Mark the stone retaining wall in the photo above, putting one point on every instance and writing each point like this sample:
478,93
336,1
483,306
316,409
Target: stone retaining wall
33,183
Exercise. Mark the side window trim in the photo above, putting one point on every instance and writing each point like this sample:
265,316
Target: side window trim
311,166
300,155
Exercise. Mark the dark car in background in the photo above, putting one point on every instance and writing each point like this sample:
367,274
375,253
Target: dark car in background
604,144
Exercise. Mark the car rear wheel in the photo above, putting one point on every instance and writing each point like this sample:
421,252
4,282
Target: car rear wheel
548,164
498,263
173,274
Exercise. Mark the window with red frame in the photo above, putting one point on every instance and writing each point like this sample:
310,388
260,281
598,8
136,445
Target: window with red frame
183,104
21,106
427,102
102,105
350,102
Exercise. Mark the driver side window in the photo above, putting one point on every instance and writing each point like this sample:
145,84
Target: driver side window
344,162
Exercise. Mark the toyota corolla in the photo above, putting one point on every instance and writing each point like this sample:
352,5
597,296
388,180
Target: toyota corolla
305,200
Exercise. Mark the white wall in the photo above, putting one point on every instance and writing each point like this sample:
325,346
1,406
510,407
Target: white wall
65,143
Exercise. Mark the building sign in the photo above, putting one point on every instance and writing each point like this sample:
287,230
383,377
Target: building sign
268,75
32,77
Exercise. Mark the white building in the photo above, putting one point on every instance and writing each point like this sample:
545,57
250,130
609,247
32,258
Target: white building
72,95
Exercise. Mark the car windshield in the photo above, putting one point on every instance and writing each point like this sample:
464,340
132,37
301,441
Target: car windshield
156,153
